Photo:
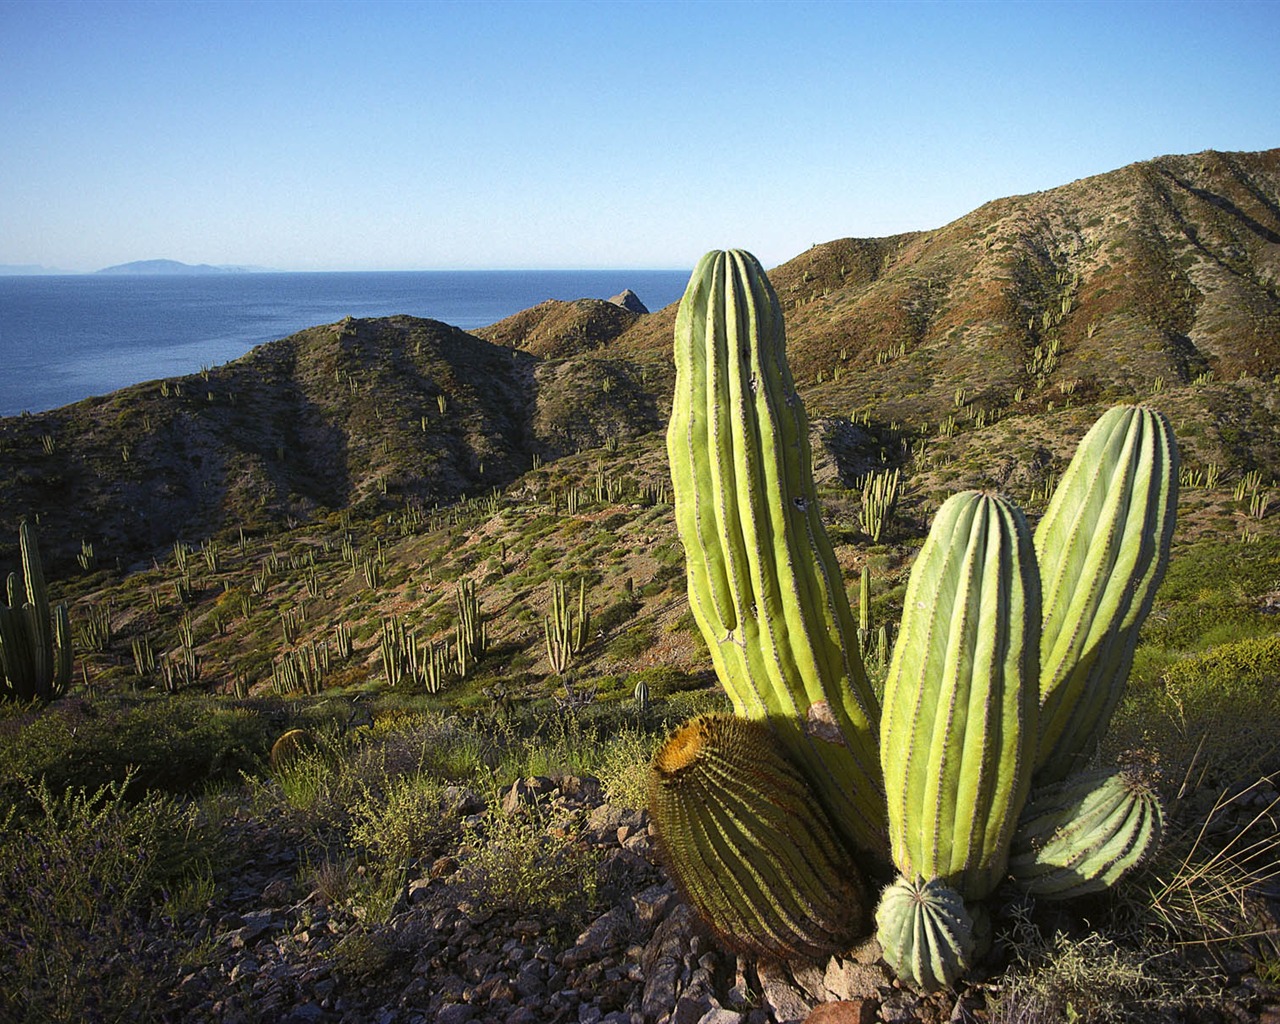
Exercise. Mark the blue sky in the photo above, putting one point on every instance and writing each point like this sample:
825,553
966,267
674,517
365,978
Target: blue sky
329,136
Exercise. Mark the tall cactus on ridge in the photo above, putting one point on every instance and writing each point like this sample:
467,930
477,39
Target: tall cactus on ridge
764,584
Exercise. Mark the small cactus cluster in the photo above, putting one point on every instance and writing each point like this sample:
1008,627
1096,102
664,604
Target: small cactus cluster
35,640
1011,656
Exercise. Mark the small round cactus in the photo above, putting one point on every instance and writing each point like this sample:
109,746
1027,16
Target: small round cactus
926,932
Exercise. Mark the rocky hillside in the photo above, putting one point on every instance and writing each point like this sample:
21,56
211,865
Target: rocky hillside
1162,270
1155,277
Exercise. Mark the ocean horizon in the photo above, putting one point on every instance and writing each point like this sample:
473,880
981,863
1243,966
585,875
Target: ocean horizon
64,338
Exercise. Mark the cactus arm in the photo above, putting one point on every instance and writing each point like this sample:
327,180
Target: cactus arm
1080,836
959,721
1103,546
764,585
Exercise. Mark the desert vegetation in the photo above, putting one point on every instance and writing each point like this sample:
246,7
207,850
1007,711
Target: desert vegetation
371,637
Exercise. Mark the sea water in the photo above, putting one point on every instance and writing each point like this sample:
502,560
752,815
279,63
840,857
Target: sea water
67,338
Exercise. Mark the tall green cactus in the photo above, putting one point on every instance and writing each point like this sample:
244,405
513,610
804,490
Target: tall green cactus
764,584
35,641
960,708
1103,545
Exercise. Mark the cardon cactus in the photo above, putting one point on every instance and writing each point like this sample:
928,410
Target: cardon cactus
748,844
35,641
1102,545
1079,836
1012,653
926,932
764,584
960,708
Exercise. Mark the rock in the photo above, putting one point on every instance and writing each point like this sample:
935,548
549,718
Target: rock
850,980
846,1011
719,1015
461,802
788,1003
628,299
651,905
455,1013
525,792
663,961
605,933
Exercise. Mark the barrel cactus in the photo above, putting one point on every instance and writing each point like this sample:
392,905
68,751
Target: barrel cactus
748,844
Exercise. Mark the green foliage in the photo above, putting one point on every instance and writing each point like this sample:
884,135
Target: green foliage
518,863
80,871
177,746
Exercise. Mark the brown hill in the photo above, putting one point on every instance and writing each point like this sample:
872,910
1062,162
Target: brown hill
1150,277
554,329
1164,269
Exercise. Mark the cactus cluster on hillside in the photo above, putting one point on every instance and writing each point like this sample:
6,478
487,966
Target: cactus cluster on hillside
1011,656
35,640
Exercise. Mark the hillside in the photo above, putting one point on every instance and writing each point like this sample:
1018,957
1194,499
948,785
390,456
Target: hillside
299,538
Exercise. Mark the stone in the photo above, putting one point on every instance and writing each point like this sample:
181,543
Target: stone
628,299
461,802
846,1011
606,932
788,1003
719,1015
455,1013
663,961
849,979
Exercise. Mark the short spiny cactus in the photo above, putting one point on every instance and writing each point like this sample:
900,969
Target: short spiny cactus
927,933
1079,836
749,846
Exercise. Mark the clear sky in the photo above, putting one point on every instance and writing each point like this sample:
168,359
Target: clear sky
330,136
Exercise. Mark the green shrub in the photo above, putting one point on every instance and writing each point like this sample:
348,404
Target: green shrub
79,876
518,863
174,745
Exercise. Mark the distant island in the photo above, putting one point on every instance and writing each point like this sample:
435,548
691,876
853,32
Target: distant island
175,267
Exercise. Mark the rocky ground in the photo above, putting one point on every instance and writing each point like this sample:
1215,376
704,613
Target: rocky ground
275,953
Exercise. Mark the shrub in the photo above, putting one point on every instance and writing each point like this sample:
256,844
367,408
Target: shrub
78,880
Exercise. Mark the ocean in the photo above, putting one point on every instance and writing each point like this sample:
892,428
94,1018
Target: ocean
67,338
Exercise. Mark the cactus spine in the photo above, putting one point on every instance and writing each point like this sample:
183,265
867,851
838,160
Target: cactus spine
749,846
35,640
1102,545
764,585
